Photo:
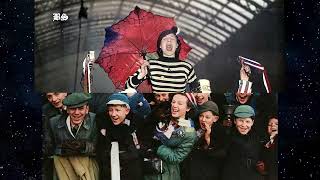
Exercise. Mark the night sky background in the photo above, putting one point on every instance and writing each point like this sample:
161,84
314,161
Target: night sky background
20,114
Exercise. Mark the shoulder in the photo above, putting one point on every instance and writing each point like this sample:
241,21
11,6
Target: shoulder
49,110
92,118
46,107
92,115
55,120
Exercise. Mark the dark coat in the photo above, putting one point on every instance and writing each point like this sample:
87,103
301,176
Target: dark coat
270,158
58,132
243,153
130,161
49,111
264,105
206,160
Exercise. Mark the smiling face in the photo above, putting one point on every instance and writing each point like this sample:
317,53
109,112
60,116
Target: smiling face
78,114
117,113
273,126
207,118
169,45
55,98
244,125
242,98
202,98
161,97
179,107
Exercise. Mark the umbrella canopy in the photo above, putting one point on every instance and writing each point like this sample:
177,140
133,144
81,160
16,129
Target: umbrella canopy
128,41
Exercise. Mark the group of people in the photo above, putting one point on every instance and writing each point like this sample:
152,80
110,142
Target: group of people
168,135
185,132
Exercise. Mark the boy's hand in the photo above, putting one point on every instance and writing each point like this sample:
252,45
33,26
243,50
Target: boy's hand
144,70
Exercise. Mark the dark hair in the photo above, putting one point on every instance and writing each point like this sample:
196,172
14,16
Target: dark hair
272,116
189,103
173,30
191,113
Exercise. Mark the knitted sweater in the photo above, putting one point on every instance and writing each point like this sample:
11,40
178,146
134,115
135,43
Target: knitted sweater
166,75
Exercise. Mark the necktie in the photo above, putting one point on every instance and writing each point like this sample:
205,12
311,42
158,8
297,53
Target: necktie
74,130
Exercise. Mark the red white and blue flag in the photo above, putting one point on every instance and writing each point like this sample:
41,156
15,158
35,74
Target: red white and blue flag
258,66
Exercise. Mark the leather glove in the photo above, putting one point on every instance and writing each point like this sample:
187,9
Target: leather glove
69,152
74,145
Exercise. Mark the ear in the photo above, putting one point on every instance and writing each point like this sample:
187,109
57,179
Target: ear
215,118
188,109
127,111
87,109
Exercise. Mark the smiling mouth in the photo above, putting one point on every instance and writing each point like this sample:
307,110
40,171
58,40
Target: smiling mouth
174,111
56,104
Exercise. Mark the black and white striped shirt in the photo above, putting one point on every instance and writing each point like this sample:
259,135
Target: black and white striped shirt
166,75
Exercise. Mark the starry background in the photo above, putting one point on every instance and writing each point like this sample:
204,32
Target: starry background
20,115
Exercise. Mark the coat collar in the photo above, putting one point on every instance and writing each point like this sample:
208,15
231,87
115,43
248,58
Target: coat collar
63,122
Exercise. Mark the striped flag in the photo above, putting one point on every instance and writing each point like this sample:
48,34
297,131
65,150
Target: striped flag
244,86
258,66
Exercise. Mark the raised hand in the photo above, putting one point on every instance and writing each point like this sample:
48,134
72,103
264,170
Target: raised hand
144,70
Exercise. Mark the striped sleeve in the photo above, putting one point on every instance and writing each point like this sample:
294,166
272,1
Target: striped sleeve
133,81
192,76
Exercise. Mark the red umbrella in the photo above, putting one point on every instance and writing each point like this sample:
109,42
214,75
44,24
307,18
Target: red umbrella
129,40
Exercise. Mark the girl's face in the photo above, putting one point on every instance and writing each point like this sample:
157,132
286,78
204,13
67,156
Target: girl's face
179,106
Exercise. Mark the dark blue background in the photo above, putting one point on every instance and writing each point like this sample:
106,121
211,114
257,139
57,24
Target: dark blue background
20,106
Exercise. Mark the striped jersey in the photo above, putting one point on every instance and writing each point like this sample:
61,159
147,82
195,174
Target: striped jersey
169,75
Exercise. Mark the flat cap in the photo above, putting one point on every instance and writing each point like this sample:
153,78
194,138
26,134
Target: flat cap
244,111
118,98
209,106
75,100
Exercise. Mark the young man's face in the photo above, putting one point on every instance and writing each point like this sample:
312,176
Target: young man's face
242,98
55,98
161,97
179,107
202,98
78,114
244,125
117,113
273,126
169,45
207,118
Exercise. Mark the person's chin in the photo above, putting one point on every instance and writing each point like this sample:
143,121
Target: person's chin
175,115
77,121
57,105
116,122
243,132
200,103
